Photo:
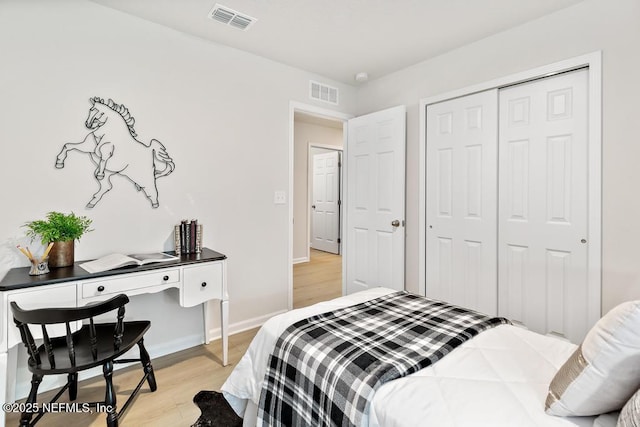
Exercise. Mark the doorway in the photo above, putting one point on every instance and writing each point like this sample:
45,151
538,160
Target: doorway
316,274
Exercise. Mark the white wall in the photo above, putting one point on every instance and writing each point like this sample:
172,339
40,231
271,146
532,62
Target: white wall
222,114
592,25
305,134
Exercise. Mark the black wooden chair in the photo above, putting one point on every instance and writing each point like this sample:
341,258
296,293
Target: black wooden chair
94,344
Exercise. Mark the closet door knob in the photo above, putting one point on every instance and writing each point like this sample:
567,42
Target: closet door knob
100,288
165,278
395,223
203,284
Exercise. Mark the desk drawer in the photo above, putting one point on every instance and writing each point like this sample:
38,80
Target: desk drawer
123,285
202,283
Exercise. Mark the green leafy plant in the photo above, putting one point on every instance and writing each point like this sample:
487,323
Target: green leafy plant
58,227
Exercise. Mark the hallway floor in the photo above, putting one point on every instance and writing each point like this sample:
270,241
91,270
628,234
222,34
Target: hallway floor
317,280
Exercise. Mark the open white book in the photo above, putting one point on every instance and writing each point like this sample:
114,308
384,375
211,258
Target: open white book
109,262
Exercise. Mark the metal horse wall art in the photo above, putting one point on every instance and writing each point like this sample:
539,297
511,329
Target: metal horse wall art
112,146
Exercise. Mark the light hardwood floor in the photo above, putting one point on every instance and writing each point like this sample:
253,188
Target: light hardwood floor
181,375
317,280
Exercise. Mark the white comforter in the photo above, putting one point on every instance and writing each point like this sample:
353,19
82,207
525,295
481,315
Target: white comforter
499,378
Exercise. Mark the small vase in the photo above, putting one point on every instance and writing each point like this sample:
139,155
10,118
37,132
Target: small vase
61,254
39,267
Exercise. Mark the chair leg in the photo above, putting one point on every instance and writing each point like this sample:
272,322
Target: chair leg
25,418
73,386
146,364
110,395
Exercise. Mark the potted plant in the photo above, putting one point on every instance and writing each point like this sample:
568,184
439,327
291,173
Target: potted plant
61,229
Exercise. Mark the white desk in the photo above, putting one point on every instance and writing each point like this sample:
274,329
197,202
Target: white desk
199,279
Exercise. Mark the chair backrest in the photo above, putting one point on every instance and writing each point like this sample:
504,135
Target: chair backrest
50,316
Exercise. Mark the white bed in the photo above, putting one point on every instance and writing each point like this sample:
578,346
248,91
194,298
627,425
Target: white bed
499,378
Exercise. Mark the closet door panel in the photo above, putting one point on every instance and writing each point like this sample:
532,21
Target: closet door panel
461,173
543,204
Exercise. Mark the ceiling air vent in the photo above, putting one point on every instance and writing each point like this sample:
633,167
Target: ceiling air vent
321,92
233,18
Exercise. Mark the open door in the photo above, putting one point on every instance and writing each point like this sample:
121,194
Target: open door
375,198
325,207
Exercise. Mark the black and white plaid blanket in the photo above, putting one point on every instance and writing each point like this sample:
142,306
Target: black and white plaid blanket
325,369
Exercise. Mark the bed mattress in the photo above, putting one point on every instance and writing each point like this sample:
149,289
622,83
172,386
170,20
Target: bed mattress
499,378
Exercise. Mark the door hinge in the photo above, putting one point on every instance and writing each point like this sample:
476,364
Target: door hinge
339,240
339,202
339,164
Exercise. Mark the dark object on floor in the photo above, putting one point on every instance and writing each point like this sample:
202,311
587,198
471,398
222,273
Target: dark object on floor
216,412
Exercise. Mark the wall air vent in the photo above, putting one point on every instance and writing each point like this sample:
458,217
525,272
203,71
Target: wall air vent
322,92
228,16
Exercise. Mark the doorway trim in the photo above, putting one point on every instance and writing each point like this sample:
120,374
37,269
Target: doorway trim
594,235
295,106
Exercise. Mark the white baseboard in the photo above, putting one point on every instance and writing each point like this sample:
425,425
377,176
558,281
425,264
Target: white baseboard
155,350
182,343
300,260
244,325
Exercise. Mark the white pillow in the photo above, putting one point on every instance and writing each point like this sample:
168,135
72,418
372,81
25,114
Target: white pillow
630,414
607,420
604,371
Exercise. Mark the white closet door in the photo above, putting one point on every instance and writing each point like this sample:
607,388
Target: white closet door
543,205
461,199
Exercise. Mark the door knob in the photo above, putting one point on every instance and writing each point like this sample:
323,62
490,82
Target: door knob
313,206
395,223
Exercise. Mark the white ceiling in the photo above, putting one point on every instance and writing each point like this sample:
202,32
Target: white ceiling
339,38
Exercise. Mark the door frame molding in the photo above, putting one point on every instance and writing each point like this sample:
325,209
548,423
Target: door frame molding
328,147
295,106
594,233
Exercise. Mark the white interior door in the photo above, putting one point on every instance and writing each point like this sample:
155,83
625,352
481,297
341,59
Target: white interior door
543,208
325,208
375,198
461,194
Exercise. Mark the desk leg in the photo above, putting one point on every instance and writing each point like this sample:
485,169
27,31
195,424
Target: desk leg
8,369
224,323
207,322
4,387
